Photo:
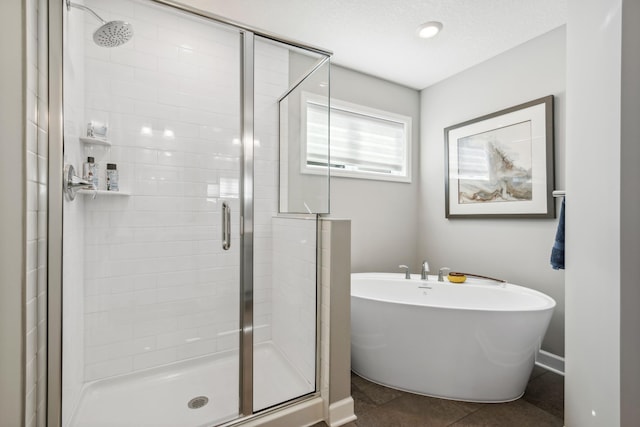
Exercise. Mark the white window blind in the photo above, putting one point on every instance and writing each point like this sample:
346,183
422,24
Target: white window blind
365,143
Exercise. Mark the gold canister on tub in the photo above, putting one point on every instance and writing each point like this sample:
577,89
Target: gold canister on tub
457,277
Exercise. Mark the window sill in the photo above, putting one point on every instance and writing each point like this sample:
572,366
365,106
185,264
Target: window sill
369,176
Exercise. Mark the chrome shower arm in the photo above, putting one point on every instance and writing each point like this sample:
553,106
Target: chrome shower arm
85,8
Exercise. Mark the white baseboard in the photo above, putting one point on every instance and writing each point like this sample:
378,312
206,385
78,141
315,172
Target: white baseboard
550,362
341,412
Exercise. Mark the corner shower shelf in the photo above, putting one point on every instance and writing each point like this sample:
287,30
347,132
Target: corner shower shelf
103,193
94,141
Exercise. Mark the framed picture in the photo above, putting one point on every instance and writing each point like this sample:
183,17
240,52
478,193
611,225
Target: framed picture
501,164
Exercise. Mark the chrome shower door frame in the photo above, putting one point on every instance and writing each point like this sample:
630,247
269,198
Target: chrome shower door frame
246,226
54,240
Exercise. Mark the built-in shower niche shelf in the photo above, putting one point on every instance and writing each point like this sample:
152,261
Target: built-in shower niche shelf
100,193
94,141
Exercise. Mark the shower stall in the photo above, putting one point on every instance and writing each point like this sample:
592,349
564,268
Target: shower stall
187,294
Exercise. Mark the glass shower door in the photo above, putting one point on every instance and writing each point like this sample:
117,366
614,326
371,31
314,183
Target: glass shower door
151,271
287,199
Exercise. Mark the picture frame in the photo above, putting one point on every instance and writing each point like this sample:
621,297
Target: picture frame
501,165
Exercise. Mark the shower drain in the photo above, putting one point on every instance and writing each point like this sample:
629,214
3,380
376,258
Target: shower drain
198,402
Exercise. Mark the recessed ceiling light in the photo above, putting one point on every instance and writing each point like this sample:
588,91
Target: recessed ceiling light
429,29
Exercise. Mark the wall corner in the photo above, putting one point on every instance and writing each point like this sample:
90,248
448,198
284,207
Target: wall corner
335,265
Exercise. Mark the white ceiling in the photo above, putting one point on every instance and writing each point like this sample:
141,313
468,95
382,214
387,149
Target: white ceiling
377,37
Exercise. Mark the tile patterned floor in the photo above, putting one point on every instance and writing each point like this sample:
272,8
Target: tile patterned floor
376,406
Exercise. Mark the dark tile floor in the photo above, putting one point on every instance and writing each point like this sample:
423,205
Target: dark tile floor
376,406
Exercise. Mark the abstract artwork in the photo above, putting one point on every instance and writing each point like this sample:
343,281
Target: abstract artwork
501,164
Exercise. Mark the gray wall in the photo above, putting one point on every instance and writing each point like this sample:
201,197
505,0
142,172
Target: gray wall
383,214
516,250
12,212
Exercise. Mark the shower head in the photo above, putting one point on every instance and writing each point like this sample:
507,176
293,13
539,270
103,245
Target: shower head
110,34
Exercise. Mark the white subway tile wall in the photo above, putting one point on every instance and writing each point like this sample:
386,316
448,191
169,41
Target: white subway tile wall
36,219
325,310
158,288
294,293
271,81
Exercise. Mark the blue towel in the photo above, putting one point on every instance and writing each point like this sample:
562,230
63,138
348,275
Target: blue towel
557,253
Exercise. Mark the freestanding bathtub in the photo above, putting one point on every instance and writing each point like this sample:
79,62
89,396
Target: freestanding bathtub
474,341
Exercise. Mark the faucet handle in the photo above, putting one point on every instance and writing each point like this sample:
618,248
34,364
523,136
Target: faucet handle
407,275
441,275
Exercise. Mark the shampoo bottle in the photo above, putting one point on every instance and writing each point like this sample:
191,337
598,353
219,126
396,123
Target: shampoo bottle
112,177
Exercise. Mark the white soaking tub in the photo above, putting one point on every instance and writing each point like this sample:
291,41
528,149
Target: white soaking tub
475,341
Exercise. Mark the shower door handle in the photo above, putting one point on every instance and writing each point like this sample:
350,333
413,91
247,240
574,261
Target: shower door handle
226,226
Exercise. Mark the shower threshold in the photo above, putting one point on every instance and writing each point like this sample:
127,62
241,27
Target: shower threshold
195,393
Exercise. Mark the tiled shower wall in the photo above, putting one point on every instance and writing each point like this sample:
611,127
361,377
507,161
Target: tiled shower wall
294,292
157,286
271,80
36,223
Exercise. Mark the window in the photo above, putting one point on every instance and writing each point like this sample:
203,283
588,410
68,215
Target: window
365,143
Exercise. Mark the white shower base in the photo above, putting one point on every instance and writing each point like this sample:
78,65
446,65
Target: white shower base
158,397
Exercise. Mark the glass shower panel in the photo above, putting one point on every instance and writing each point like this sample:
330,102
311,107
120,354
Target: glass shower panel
284,356
304,136
151,297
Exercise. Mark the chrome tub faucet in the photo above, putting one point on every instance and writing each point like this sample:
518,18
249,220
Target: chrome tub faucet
407,275
425,270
